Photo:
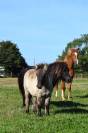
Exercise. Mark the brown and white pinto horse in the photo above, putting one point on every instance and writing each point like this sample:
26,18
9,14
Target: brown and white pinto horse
70,59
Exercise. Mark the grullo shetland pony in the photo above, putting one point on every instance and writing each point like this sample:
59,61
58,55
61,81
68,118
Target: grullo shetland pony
48,76
21,77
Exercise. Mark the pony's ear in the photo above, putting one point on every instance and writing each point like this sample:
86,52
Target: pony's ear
45,67
78,49
69,52
36,66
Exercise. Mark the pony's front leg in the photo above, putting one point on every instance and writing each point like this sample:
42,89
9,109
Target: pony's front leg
35,105
39,104
39,110
27,101
63,90
69,91
47,103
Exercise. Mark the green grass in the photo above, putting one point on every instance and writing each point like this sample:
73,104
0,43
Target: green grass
65,117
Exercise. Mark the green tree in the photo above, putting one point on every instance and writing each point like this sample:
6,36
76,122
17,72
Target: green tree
11,58
83,59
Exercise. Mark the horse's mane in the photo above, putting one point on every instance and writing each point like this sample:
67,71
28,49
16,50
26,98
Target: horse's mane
56,64
41,66
54,70
71,51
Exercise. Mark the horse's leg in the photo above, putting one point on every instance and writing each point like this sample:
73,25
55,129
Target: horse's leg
47,103
63,90
27,101
39,103
35,105
56,89
69,91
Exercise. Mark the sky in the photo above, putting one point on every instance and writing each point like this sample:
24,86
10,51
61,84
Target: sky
42,28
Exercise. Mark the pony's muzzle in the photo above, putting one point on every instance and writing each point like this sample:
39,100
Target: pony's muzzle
39,86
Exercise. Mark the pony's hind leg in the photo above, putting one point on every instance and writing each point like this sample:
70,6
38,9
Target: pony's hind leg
69,91
56,90
27,101
63,90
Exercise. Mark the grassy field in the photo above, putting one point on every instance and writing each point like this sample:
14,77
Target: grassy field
65,117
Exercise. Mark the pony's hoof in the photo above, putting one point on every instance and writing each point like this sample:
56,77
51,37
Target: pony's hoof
47,114
34,109
39,114
27,111
64,99
70,98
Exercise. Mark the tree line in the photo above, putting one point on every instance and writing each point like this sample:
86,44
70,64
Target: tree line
13,61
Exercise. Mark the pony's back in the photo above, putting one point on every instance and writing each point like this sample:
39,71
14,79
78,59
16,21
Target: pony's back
30,83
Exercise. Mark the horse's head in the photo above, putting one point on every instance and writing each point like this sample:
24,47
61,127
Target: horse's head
41,69
59,71
73,53
65,76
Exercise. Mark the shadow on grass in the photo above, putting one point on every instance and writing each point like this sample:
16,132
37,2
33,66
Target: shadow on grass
71,111
67,104
85,96
69,107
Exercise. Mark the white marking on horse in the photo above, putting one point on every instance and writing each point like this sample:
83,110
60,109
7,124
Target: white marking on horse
76,59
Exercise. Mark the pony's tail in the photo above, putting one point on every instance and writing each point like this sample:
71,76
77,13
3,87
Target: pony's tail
20,83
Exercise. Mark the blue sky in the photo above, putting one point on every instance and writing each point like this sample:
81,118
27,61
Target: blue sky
42,28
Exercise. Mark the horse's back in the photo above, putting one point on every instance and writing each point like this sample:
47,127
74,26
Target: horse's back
30,83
